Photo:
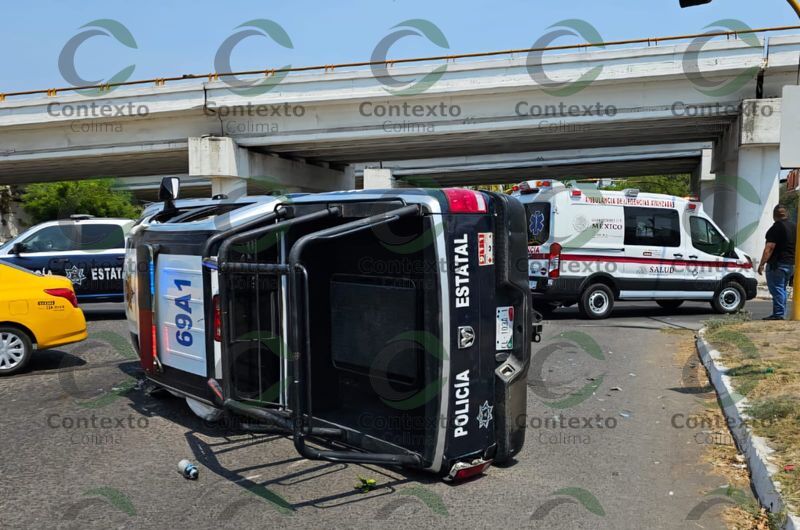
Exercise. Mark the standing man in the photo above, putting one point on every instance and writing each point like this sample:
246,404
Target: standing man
778,257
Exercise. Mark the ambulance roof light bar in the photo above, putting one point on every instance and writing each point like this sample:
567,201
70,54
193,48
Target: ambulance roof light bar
631,192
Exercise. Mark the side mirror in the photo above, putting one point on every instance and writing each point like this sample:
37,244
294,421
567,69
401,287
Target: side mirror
170,188
168,193
18,248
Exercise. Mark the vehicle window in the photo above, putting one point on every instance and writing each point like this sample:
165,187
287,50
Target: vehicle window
58,238
707,238
101,237
658,227
538,222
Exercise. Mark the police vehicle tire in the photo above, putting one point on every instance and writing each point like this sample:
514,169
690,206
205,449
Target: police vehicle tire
729,298
597,302
16,350
670,304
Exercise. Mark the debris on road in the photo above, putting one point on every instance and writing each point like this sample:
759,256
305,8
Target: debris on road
365,485
188,470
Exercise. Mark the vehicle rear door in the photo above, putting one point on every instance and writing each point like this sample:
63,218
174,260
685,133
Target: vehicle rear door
539,216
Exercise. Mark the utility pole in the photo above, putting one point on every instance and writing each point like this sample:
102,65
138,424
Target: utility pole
793,185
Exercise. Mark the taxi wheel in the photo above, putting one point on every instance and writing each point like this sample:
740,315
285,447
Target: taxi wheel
596,302
15,350
728,299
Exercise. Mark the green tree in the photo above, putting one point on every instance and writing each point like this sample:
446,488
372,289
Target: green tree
58,200
677,185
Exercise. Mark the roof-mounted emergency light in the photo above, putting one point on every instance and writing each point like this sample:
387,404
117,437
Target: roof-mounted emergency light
631,192
465,201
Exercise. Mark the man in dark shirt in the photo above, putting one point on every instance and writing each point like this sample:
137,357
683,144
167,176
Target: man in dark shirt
778,258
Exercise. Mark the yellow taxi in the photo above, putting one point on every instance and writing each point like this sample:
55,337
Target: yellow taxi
36,312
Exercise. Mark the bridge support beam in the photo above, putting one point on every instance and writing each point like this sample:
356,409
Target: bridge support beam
747,167
235,170
703,181
378,178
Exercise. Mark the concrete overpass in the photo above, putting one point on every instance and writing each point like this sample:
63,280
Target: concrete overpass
314,130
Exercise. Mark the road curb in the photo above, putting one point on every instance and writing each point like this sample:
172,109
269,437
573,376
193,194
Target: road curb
755,448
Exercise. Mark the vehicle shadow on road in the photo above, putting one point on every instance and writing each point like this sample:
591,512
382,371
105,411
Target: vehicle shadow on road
209,441
643,311
49,361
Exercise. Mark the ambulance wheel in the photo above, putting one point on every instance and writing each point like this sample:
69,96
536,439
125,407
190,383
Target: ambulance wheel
728,299
16,350
596,302
670,304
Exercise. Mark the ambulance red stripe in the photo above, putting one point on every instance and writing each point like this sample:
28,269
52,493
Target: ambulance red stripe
655,261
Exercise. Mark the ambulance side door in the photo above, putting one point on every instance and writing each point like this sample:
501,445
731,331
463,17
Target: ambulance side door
655,253
708,254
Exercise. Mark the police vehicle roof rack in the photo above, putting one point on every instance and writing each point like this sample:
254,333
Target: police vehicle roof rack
226,268
300,342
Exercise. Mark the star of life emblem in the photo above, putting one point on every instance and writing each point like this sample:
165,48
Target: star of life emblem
485,415
75,275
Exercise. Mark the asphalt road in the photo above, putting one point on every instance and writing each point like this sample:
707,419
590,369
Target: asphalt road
606,447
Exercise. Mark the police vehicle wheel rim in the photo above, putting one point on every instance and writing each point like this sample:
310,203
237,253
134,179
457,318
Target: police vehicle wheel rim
12,350
598,302
729,298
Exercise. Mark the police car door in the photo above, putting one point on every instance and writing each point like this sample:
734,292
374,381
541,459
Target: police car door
48,250
655,257
103,246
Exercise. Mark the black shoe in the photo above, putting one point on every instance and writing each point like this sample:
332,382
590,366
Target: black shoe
773,317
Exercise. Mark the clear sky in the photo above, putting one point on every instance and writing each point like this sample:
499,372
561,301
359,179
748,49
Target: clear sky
176,37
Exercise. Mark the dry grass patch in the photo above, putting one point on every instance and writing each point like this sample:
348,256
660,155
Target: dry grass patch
720,449
764,364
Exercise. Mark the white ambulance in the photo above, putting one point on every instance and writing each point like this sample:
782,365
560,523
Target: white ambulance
594,247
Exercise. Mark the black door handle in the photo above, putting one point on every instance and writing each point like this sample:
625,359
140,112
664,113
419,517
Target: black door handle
678,255
692,257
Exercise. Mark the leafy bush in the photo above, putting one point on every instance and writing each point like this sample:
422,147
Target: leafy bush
58,200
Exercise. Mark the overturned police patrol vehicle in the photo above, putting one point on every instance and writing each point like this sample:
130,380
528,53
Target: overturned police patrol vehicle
385,327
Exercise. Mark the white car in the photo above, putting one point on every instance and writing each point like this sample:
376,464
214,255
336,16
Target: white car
593,247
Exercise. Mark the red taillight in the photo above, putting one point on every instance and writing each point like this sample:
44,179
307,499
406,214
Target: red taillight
465,201
555,261
217,319
67,293
154,345
464,470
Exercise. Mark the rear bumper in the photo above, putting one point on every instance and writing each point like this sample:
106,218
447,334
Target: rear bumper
76,336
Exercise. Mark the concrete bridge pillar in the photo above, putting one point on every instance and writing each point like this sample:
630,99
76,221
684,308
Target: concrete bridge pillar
378,178
747,167
233,170
703,181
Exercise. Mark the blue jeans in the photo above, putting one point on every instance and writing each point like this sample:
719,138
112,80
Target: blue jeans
777,279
